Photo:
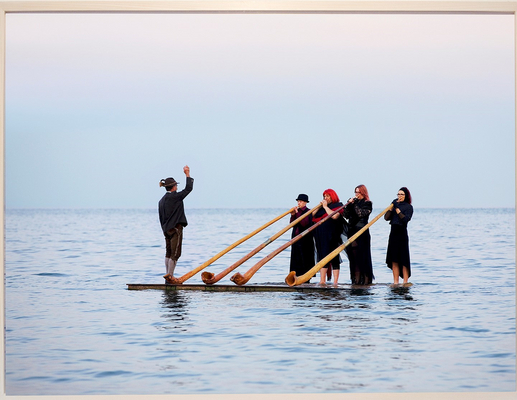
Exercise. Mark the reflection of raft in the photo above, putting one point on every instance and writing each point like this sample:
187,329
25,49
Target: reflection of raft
308,287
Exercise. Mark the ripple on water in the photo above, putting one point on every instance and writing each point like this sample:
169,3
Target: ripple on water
453,330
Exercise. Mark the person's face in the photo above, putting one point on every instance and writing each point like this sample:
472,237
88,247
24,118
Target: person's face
301,203
401,196
358,194
326,197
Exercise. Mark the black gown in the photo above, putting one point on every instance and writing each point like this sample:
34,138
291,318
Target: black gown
327,236
359,251
398,242
302,252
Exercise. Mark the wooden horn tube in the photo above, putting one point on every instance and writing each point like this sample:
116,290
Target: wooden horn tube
210,279
190,274
293,280
242,279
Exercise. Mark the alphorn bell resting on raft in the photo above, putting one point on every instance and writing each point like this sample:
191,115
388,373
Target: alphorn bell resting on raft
209,278
293,280
242,279
188,275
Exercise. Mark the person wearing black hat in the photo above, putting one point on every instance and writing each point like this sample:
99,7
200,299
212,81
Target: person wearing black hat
172,219
302,251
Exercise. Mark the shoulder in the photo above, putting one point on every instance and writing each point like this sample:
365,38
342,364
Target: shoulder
406,206
365,203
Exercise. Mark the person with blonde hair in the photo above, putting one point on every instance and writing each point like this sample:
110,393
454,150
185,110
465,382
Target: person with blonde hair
357,212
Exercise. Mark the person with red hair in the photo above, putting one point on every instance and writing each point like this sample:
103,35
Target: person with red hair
327,236
357,212
397,255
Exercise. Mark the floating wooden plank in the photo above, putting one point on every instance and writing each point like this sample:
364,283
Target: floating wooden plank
230,288
308,287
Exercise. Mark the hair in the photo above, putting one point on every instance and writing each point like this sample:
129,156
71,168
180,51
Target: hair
363,191
333,195
407,198
168,187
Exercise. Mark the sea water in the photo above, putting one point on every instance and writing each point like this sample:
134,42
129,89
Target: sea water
73,328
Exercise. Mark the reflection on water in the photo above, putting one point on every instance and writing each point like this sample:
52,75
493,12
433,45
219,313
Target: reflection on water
400,292
175,302
175,307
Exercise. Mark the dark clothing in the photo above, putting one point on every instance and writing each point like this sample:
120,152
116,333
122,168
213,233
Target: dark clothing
357,214
359,251
327,236
398,242
173,242
302,251
171,209
406,212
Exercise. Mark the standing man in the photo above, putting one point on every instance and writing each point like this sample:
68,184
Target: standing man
173,220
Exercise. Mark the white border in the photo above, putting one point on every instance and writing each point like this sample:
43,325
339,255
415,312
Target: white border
237,6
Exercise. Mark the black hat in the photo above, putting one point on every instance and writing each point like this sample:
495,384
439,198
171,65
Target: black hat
168,182
303,197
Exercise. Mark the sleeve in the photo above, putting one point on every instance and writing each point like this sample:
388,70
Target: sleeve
307,221
388,216
363,210
348,210
188,188
320,214
406,212
336,206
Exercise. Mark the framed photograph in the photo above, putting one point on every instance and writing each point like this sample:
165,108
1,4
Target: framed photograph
262,103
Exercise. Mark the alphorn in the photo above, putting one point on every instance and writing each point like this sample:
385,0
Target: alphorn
188,275
242,279
209,278
293,280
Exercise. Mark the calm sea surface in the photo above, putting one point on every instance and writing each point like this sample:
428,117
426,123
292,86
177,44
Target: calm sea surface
72,327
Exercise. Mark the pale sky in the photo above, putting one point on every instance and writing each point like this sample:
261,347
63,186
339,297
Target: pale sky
262,107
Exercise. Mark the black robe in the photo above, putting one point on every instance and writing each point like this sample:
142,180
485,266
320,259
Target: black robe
327,236
302,252
398,242
359,251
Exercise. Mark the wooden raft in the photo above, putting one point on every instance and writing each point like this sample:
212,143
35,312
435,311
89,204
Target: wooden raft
246,288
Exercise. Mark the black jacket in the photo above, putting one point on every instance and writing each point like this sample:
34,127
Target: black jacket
357,214
171,209
406,212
